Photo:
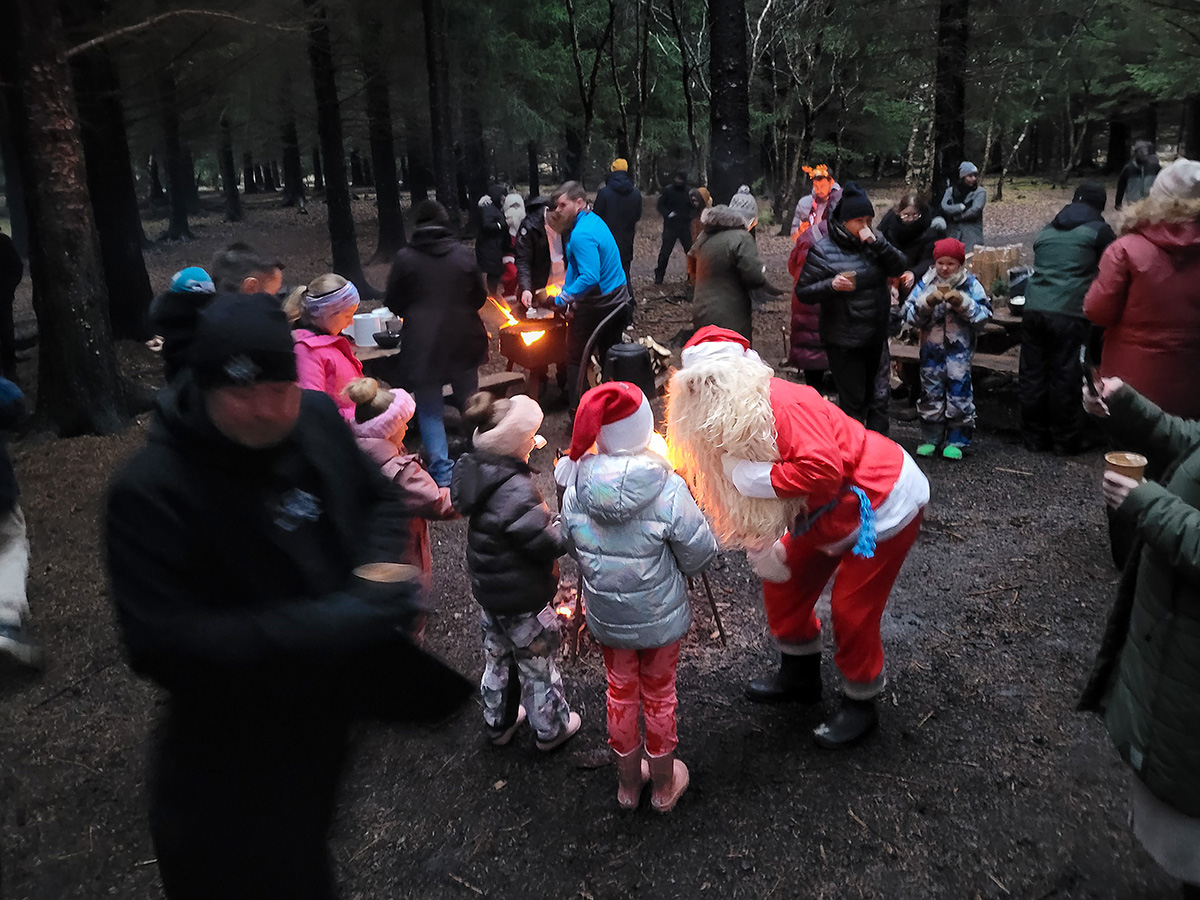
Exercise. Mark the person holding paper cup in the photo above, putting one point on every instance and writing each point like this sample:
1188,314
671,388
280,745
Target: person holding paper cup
1146,683
846,272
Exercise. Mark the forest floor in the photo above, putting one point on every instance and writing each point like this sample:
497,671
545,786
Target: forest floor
982,781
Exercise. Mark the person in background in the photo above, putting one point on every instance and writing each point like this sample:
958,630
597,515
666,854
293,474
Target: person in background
1066,254
514,215
619,204
492,242
677,212
1137,176
233,538
637,533
700,199
15,643
380,424
533,250
322,310
727,269
816,206
949,306
962,207
847,272
437,288
11,271
513,543
596,289
1145,682
913,230
240,269
173,316
744,203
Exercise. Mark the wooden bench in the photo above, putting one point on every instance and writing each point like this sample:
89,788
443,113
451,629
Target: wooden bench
498,383
988,362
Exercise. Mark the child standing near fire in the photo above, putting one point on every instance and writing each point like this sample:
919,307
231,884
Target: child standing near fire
636,531
949,306
512,544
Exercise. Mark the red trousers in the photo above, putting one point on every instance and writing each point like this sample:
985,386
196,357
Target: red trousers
860,592
642,681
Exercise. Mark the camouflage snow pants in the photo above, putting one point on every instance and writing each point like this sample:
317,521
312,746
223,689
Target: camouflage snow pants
519,669
947,404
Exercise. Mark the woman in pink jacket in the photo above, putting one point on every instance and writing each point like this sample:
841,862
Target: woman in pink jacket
325,361
1147,294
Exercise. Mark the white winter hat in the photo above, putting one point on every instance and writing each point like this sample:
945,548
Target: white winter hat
743,202
1178,181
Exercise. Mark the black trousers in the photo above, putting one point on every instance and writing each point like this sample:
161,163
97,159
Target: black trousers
672,233
586,320
854,371
1050,381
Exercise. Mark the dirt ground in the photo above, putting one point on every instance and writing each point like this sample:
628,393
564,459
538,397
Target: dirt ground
981,783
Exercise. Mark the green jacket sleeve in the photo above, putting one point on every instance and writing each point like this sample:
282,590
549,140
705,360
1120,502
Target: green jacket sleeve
749,265
1168,525
1140,425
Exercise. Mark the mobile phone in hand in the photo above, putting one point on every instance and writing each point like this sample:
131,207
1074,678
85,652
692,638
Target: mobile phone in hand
1089,370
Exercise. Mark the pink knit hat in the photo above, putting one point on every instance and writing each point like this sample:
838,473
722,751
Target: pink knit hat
379,412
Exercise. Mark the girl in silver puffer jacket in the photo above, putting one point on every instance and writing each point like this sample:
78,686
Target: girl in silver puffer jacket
636,532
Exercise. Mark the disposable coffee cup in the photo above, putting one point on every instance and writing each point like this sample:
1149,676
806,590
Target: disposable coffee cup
391,573
852,277
1131,465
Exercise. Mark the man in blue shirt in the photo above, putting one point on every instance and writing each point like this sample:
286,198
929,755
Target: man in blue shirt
596,286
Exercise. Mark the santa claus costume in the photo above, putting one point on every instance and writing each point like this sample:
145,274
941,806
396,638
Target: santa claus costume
811,495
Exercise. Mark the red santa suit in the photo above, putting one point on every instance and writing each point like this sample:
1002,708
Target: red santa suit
865,497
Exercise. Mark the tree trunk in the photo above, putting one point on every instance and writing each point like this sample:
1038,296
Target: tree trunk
1118,146
1150,122
248,185
357,179
318,171
155,193
383,145
531,151
438,66
178,190
950,92
192,184
572,155
342,237
233,200
110,179
79,391
420,169
474,157
268,178
14,184
293,172
685,68
1191,131
729,108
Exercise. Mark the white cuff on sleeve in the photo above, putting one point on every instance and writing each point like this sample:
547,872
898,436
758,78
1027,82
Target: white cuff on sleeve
752,479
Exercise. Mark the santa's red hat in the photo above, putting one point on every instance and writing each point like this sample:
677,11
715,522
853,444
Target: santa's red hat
616,417
713,344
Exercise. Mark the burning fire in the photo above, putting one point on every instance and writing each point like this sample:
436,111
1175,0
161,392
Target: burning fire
530,336
658,444
565,611
553,290
506,312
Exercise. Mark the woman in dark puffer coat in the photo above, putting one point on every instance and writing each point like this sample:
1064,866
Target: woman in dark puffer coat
912,229
847,272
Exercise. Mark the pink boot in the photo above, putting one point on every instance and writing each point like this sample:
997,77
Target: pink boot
632,774
670,778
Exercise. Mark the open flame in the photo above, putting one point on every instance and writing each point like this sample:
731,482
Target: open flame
553,290
565,611
506,312
530,336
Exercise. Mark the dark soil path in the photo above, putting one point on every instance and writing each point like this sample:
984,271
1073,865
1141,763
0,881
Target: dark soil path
981,783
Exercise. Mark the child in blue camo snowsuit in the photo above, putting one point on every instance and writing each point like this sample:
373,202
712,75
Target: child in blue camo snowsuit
949,306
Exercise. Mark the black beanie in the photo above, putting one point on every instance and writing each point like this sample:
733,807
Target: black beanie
854,203
430,212
242,340
1093,194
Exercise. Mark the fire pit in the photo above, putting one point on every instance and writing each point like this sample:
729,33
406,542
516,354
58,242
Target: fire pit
534,345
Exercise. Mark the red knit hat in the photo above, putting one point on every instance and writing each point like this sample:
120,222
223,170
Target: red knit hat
950,247
712,343
617,415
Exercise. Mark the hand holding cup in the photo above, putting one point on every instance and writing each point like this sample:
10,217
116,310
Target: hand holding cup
845,281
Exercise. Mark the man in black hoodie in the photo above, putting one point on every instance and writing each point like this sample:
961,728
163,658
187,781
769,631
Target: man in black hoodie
1066,258
675,207
233,540
619,204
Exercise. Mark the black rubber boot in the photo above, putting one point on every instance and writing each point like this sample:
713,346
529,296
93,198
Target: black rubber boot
797,681
854,720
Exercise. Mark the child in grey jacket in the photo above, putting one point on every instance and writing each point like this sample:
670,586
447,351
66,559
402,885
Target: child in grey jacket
636,531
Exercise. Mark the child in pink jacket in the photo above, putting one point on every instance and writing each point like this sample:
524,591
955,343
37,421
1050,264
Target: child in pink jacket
380,421
325,361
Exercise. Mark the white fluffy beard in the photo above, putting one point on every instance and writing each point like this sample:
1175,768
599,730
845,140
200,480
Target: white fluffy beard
720,408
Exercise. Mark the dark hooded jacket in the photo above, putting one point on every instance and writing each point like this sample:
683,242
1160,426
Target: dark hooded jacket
173,317
914,239
493,241
532,249
512,540
855,318
619,204
675,206
438,290
1066,258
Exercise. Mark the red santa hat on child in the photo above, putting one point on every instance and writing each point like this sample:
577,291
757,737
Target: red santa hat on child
712,344
615,417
